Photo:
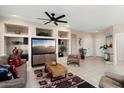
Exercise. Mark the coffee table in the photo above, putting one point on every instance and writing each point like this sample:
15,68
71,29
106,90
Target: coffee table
56,71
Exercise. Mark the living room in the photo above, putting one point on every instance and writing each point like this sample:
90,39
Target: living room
77,53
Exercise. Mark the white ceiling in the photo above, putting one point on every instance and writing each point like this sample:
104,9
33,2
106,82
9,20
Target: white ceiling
82,18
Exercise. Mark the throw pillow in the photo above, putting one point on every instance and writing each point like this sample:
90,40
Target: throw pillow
13,70
15,60
53,63
5,74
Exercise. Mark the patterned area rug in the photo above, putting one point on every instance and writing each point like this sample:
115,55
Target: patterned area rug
71,81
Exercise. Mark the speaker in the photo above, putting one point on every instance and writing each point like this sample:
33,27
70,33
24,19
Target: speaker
25,40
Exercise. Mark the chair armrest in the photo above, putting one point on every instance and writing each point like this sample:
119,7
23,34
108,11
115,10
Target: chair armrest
114,76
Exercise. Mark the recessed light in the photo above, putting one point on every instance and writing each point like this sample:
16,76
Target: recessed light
96,31
15,15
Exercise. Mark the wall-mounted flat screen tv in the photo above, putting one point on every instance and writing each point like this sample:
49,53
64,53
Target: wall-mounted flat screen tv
43,46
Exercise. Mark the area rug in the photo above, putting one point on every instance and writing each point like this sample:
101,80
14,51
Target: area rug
71,81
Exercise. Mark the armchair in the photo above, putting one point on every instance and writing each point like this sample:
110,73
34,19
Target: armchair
111,80
73,59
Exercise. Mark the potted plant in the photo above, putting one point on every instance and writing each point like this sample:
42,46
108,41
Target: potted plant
82,52
62,49
103,47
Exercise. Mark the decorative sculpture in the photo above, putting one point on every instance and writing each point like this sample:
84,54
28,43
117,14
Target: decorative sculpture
80,39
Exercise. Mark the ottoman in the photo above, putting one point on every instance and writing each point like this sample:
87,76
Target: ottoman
56,71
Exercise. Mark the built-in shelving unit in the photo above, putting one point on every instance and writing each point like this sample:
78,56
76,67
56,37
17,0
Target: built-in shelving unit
20,33
44,32
16,36
63,43
17,30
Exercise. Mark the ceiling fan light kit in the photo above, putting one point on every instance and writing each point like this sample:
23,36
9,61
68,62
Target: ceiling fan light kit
53,19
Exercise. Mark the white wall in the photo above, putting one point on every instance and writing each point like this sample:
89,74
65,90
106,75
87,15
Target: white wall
99,41
118,39
1,38
88,44
120,46
74,44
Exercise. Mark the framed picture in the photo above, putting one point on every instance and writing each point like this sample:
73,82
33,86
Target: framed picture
109,41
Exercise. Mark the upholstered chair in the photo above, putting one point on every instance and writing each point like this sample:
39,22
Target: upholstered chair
73,59
111,80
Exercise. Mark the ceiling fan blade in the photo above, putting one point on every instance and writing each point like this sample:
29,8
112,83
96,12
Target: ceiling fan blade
62,21
43,19
60,17
55,23
48,15
47,22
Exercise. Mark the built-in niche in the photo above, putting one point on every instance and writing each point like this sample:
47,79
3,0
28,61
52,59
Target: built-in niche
43,32
18,42
62,48
62,34
16,29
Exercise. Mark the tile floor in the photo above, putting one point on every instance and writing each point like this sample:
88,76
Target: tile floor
91,70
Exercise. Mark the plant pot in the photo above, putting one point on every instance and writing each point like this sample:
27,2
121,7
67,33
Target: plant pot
82,57
61,54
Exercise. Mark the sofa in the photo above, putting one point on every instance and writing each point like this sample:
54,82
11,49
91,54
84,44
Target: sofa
111,80
15,83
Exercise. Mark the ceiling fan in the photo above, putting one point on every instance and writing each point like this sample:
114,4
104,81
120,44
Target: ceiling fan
53,18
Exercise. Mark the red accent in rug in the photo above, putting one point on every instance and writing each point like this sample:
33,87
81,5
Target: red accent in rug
68,82
71,81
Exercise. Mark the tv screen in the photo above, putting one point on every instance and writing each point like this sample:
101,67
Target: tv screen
43,46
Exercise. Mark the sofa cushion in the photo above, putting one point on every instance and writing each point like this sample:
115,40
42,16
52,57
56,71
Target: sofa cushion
3,59
3,84
16,83
23,72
